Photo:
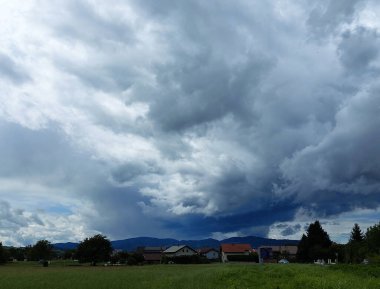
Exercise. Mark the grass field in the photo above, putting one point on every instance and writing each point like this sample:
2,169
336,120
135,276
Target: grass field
216,276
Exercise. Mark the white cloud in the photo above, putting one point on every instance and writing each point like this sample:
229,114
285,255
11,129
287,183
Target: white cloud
22,227
125,100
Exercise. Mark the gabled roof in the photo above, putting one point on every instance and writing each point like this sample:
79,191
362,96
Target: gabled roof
174,249
236,248
206,250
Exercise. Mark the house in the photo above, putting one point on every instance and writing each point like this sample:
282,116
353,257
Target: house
235,250
210,253
152,255
270,254
180,250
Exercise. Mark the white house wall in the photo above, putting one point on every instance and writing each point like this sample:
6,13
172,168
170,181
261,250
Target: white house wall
225,255
212,255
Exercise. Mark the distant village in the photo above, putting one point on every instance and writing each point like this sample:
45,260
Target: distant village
177,254
314,247
226,253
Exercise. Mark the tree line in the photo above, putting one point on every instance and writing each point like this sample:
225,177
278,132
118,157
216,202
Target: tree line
316,245
91,250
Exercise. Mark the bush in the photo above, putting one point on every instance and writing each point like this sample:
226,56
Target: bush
194,259
374,259
243,258
373,239
42,250
139,257
355,252
164,259
120,257
132,261
4,256
17,253
135,259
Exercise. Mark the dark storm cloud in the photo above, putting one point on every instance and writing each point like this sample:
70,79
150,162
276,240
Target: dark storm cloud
327,15
248,223
64,177
216,69
166,115
43,155
288,230
120,216
206,89
83,24
359,49
11,218
341,172
276,123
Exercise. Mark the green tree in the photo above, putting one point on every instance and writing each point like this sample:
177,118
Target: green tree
135,259
355,252
28,252
339,251
303,248
17,253
132,260
3,254
69,254
356,234
42,250
316,244
95,249
119,257
372,238
356,248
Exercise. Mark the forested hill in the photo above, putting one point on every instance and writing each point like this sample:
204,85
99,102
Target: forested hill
132,243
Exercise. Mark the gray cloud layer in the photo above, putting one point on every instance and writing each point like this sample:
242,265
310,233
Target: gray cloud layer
147,118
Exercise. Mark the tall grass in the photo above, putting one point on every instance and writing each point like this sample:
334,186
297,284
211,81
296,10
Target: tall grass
215,276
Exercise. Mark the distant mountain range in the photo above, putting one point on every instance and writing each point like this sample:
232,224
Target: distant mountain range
132,243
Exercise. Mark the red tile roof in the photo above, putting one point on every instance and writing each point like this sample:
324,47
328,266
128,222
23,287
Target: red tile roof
236,248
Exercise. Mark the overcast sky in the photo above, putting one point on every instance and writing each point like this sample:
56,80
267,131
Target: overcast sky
188,119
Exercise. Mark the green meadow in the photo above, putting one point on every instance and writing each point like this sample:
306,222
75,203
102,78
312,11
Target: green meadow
215,276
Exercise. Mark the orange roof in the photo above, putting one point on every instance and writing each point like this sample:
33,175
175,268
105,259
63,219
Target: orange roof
236,248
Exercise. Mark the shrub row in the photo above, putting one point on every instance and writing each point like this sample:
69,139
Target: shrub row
243,258
195,259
